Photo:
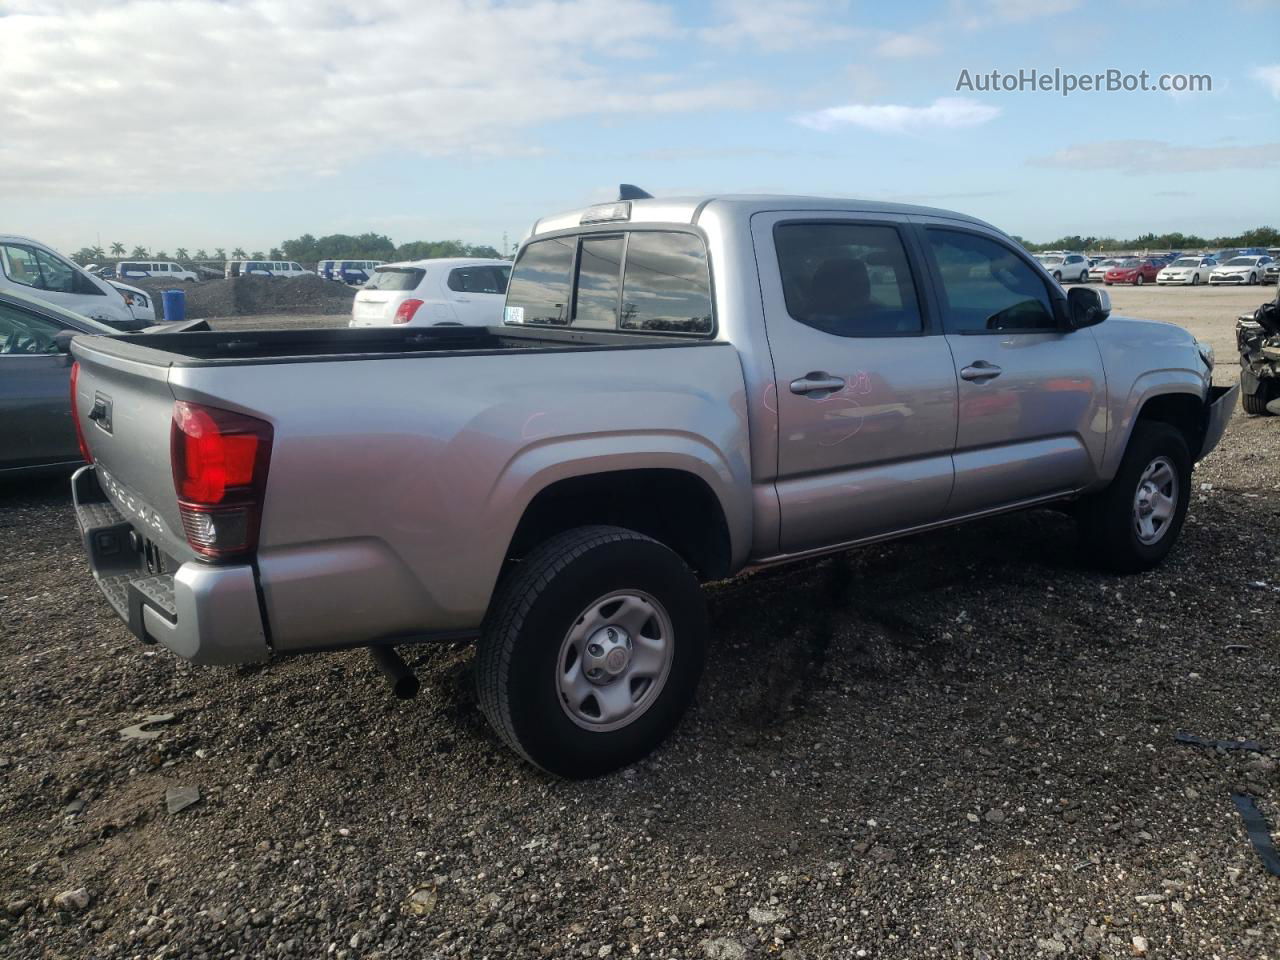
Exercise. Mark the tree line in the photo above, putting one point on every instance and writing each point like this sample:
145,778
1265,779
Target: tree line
1257,237
304,249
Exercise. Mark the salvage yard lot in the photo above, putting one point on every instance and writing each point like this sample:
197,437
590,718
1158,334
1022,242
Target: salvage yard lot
959,745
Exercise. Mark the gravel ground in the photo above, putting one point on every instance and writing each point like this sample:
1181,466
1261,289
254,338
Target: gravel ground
255,296
959,745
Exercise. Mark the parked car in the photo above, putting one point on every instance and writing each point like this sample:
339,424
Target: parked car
263,268
105,271
1132,270
155,270
138,301
1100,265
1238,270
852,371
29,266
1190,271
1065,266
1272,273
1258,343
426,293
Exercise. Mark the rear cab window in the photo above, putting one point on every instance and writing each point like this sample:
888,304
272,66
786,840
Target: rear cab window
634,280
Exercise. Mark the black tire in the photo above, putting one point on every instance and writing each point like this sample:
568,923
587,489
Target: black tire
1106,519
1057,276
1195,279
1139,280
1256,403
532,613
1253,279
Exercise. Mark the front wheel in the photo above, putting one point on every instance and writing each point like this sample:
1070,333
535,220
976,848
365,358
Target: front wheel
1057,276
1253,279
1139,280
591,651
1195,279
1133,524
1256,403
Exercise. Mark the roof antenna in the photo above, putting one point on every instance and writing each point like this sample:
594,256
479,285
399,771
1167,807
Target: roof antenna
629,191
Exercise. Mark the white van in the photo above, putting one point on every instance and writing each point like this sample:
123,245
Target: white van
263,268
164,270
30,267
432,293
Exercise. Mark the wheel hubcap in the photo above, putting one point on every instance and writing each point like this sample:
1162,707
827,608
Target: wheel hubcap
1155,500
614,661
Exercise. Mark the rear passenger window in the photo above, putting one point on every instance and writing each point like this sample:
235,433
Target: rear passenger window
540,282
847,279
986,286
396,278
478,279
666,287
599,265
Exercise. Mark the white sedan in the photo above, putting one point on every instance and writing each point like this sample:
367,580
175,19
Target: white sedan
1240,270
428,293
1187,270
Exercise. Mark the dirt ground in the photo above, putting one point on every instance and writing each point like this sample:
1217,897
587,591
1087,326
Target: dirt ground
959,745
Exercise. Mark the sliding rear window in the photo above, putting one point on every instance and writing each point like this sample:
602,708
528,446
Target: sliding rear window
396,278
654,281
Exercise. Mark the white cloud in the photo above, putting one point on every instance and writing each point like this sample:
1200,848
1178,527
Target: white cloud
1270,78
907,45
123,95
1144,156
778,25
944,113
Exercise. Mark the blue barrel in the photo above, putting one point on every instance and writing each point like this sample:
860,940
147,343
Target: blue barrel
175,306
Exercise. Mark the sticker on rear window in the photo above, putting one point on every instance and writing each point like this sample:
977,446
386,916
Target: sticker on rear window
513,314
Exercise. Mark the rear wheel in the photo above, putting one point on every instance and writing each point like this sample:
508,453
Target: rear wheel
592,650
1133,524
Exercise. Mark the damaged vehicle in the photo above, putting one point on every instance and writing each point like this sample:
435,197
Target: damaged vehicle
1258,340
681,389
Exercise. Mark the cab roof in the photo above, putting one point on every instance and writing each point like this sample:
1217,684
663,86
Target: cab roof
741,206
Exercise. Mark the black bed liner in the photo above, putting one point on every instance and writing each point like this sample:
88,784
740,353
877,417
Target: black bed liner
233,348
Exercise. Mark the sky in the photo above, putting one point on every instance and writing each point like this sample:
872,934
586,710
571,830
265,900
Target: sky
223,123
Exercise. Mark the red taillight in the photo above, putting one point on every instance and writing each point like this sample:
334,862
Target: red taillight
406,310
220,461
75,414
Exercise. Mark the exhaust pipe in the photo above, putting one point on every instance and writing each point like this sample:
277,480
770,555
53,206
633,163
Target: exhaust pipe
404,684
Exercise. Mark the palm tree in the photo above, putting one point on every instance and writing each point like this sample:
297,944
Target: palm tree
202,254
139,251
259,255
117,249
238,253
219,253
162,255
181,253
99,253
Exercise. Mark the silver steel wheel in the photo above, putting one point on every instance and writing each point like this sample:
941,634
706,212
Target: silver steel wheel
1155,501
615,660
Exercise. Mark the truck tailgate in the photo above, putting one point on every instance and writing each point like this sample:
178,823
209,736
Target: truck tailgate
125,409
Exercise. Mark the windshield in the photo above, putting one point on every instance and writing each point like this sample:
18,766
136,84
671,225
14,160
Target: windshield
1186,262
1240,262
1049,261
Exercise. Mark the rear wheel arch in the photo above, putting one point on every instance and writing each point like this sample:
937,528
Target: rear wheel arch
676,507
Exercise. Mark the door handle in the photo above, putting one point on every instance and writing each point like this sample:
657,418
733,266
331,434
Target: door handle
980,371
461,299
816,382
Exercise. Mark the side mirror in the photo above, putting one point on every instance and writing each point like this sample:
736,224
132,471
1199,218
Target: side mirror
62,340
1087,306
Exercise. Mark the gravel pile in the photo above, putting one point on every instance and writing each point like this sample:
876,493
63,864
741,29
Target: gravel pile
252,296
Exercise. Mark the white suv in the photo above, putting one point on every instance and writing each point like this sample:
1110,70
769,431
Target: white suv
1065,266
164,270
429,293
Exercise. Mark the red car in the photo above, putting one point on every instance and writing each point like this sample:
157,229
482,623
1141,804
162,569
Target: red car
1133,271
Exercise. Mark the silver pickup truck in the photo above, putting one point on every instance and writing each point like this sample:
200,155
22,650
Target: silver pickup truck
682,389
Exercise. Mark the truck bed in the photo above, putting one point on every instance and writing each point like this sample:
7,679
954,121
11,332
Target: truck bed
219,348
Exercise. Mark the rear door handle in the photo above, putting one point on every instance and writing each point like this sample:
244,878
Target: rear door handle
980,371
816,382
